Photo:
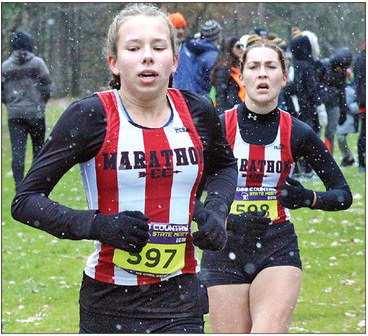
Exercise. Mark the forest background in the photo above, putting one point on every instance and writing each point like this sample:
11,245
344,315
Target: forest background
70,36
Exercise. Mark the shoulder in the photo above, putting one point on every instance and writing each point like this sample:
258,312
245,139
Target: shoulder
194,100
89,106
302,130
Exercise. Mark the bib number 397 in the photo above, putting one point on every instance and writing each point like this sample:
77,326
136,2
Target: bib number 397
164,253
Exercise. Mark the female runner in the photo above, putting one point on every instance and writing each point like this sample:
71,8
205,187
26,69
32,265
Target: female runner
253,284
142,150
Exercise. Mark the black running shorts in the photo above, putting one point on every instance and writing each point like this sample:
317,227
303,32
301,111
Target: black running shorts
243,258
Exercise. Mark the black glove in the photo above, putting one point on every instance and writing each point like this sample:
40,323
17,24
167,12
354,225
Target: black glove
127,230
211,234
249,224
294,196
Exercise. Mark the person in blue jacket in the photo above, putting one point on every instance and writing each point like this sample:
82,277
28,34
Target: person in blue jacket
205,50
183,78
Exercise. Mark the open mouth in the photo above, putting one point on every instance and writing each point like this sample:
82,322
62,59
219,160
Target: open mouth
148,74
262,86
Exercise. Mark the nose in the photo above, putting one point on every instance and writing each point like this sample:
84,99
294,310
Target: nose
147,56
262,71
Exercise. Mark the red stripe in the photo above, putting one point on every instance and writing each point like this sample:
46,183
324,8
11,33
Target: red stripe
182,108
231,123
107,183
286,156
254,176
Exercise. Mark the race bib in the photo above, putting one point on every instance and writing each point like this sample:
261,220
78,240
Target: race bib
164,253
255,199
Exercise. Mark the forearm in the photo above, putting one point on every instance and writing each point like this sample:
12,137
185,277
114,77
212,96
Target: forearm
220,190
334,200
40,212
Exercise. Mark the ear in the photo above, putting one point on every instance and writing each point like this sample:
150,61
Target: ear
284,80
175,65
241,79
112,65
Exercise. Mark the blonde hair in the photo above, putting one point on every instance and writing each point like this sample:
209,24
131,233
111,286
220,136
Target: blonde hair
129,11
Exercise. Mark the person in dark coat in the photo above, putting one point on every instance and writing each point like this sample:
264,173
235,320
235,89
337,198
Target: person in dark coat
359,69
305,51
312,111
333,78
25,90
225,75
206,52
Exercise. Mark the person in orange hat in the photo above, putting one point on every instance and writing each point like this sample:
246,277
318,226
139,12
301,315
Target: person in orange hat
180,25
183,78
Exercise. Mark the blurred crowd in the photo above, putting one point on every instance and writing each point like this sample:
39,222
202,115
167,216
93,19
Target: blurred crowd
326,93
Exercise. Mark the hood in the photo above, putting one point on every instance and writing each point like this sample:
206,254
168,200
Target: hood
21,56
199,46
342,57
305,47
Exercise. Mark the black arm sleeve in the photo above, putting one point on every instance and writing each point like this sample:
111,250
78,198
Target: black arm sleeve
306,143
219,162
76,137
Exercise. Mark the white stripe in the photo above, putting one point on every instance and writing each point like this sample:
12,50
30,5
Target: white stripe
88,173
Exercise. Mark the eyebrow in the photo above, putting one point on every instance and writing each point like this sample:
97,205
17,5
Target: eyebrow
258,62
139,40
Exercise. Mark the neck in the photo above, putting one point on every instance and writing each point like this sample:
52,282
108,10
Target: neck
260,108
151,113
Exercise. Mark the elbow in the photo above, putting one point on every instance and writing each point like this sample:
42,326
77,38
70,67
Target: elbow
347,201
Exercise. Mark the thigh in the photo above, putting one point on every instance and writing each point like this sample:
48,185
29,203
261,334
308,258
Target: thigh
229,308
273,296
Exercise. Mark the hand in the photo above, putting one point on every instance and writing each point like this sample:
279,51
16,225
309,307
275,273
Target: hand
322,115
249,224
211,234
294,196
127,230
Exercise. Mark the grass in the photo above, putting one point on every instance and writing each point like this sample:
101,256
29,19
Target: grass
41,275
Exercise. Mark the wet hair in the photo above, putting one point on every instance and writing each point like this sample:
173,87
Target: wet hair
279,51
128,12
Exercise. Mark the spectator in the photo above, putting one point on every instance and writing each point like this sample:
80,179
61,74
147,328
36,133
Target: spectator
25,90
348,126
360,77
206,52
225,75
183,78
333,81
305,51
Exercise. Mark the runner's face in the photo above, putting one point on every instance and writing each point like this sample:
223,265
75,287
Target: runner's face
263,78
145,58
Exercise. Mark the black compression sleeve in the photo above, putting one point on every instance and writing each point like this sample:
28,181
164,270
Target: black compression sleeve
77,137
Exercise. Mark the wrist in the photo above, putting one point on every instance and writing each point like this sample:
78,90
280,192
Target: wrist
314,202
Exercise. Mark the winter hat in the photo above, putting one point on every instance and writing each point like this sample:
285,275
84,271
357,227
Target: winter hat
211,30
343,58
261,31
22,41
295,32
274,39
252,39
177,19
